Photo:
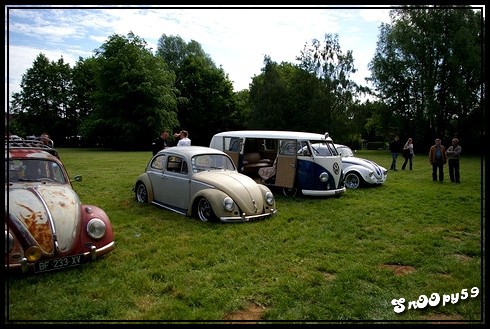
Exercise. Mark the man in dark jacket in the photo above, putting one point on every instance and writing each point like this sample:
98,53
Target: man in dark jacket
161,142
437,158
395,148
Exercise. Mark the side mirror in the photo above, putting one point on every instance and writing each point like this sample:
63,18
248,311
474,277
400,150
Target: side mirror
77,178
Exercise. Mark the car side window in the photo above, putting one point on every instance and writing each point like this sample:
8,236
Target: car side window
157,162
304,149
177,164
287,147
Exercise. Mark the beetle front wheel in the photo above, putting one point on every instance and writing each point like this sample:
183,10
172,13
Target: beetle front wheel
205,211
352,180
141,193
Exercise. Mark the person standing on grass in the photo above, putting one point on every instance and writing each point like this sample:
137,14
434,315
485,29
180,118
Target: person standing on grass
452,154
184,139
46,140
160,142
437,158
408,153
395,148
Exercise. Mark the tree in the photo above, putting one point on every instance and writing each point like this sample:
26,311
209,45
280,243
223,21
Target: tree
333,68
316,95
134,95
427,69
174,51
42,105
83,91
285,97
206,103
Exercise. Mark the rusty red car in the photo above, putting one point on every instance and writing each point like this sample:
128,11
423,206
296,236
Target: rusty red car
46,226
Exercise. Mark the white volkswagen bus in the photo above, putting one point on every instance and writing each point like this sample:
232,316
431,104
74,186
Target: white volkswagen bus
285,159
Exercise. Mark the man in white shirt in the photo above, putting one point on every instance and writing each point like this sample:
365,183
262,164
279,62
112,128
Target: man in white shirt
184,139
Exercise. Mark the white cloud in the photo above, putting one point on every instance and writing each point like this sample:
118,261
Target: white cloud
236,39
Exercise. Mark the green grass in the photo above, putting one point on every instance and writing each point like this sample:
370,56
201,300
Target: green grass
319,259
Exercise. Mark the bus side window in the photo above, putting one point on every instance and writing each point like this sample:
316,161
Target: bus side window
234,144
287,148
304,149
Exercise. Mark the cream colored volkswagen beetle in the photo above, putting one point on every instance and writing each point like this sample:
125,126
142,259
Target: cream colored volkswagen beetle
203,182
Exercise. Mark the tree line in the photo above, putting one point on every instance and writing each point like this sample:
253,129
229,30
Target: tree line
427,74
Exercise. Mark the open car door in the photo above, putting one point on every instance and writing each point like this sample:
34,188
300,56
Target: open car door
286,163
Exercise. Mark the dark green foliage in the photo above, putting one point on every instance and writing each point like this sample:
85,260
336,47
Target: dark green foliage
427,69
134,95
207,103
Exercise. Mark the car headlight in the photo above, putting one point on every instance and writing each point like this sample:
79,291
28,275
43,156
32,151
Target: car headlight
96,228
269,198
323,177
228,203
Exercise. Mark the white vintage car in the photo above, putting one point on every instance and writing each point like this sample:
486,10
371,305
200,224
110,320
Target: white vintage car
203,182
359,171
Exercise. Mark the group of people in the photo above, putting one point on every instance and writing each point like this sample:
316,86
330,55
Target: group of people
161,142
438,157
406,150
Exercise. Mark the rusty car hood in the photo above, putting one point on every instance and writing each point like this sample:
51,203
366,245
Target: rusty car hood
44,210
241,188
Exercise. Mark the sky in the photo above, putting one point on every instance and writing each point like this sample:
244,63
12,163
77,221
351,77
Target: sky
236,39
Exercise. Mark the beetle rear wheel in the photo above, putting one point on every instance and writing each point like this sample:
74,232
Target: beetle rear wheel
352,180
205,211
141,193
289,192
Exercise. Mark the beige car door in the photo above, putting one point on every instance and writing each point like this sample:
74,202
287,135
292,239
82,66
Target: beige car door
286,163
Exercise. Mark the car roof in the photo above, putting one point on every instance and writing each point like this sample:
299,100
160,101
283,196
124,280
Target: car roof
272,134
190,151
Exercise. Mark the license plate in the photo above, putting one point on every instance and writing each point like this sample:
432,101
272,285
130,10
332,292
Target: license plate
58,263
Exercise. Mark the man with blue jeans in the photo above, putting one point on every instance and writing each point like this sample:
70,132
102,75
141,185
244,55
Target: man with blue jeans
437,158
395,148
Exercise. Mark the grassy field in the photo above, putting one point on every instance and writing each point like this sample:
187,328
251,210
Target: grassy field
352,258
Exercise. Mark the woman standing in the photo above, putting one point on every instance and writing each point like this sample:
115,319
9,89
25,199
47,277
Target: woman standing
408,153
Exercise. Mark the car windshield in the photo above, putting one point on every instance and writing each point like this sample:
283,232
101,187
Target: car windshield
324,148
207,162
33,170
345,151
